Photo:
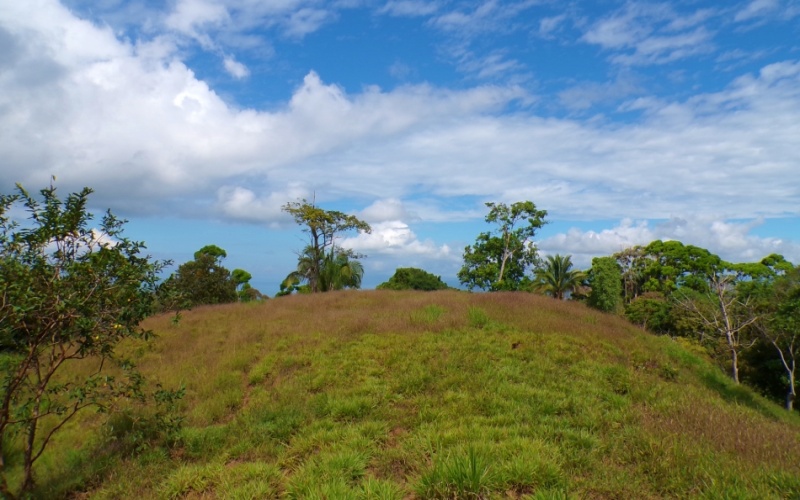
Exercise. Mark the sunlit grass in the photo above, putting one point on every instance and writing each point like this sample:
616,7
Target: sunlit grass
436,395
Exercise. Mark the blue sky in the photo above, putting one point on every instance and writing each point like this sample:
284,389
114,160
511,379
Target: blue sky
196,120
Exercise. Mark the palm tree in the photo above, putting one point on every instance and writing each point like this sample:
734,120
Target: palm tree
557,277
336,270
339,271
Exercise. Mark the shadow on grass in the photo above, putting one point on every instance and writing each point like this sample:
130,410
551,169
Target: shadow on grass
738,394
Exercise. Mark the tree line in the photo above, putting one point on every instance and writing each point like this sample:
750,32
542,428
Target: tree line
747,315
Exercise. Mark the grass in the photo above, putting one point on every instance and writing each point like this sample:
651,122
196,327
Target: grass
447,394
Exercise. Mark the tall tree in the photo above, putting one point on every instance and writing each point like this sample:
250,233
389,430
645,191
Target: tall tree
500,259
724,311
605,279
779,324
338,270
204,280
69,294
632,263
322,227
556,277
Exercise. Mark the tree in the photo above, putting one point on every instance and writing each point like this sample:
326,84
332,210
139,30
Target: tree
69,294
605,279
672,265
723,311
632,263
246,293
213,251
500,260
651,310
204,280
411,278
779,324
557,278
322,227
338,270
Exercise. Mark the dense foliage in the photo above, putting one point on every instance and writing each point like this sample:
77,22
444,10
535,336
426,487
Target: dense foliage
322,266
501,259
605,281
411,278
556,277
744,313
69,294
205,281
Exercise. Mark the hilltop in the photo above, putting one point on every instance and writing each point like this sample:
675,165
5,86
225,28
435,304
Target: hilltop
446,394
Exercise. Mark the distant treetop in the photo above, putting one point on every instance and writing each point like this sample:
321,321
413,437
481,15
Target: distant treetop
411,278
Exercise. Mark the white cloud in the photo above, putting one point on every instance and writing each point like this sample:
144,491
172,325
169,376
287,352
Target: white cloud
731,240
395,238
663,49
641,34
756,8
235,68
549,25
585,95
305,21
191,17
384,210
136,123
407,8
486,16
244,204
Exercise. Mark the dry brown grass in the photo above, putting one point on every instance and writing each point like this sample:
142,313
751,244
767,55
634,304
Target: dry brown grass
742,434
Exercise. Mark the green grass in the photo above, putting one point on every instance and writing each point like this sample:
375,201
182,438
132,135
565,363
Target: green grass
402,395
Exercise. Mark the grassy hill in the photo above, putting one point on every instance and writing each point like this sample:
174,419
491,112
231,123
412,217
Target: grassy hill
435,395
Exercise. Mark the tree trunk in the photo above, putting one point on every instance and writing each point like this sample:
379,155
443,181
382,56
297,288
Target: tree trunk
503,266
735,367
790,394
27,482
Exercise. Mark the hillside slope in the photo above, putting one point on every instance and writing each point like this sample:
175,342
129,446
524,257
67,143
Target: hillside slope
439,395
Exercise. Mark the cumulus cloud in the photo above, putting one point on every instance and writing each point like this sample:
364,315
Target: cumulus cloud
134,120
732,240
385,210
243,204
395,238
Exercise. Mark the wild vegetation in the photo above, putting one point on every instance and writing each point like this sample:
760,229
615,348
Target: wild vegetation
322,266
388,394
69,295
411,278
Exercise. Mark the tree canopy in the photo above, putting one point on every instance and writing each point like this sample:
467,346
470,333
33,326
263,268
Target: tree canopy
320,254
556,277
69,294
411,278
605,280
500,259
